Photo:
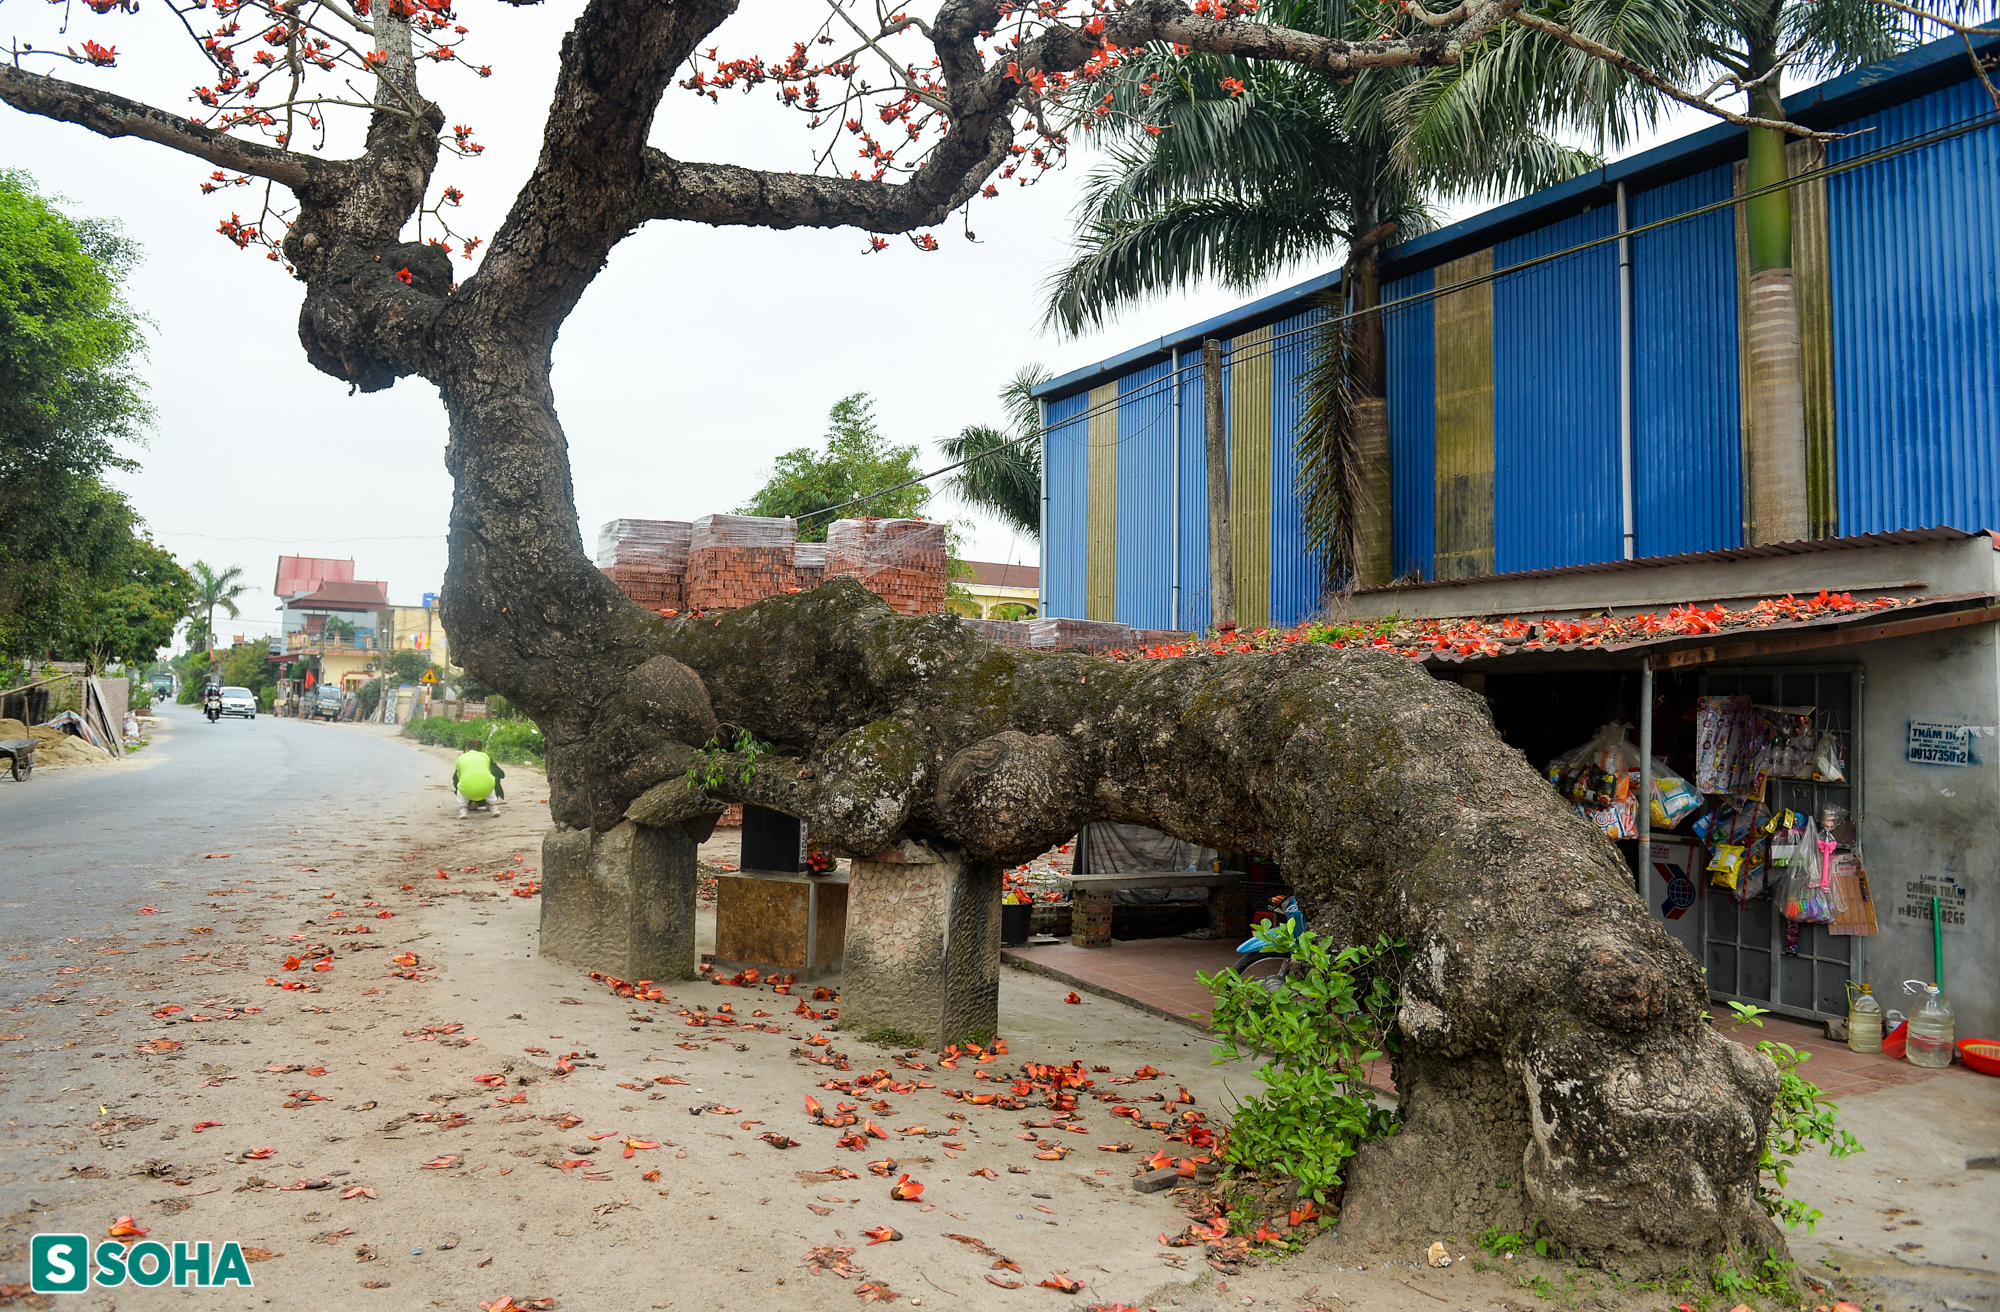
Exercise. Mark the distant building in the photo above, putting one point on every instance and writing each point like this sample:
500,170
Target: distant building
993,585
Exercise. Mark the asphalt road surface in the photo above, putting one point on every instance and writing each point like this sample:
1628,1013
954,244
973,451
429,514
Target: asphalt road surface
82,849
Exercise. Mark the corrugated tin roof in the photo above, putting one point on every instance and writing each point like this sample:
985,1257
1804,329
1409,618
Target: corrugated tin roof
1937,64
1762,551
361,594
305,573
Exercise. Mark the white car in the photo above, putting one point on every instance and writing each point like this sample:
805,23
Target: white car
239,701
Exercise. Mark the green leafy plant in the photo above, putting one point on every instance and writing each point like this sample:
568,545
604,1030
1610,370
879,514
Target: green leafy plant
1535,1238
711,766
1801,1119
1319,1024
504,740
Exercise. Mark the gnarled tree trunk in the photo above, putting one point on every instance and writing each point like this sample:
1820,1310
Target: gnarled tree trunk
1553,1035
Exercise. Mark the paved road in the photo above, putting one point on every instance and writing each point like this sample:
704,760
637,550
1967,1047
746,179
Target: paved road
82,848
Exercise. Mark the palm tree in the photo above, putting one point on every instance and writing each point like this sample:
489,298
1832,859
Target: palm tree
1750,43
1230,170
1004,475
213,589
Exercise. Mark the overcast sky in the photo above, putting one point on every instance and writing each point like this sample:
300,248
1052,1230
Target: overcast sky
696,357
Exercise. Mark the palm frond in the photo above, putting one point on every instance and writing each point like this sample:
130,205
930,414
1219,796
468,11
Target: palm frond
1329,479
1234,241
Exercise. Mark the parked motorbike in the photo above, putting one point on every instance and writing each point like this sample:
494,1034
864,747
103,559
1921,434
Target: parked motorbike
1255,953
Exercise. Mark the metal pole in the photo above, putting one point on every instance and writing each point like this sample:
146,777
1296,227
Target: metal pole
1042,572
1645,772
1174,534
1221,551
1625,378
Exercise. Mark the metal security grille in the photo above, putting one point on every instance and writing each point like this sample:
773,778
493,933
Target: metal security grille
1745,955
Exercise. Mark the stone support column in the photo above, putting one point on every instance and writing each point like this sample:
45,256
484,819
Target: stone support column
923,947
621,902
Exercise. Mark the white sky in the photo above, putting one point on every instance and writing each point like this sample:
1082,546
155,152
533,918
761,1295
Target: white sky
696,357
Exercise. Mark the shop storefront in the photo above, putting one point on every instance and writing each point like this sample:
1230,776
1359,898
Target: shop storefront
1822,778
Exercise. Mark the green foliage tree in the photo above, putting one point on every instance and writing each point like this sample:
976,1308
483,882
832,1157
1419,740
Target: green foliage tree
1005,473
248,666
76,578
407,666
858,462
215,589
137,606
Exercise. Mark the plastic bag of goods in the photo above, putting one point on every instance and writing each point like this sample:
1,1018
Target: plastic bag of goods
1673,799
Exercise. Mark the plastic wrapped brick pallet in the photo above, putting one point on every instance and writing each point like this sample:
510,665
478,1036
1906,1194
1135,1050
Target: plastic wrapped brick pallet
900,560
735,560
809,562
1099,636
1008,633
645,543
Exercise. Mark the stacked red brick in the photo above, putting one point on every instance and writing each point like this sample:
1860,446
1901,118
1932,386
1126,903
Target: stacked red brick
809,564
647,559
735,560
901,561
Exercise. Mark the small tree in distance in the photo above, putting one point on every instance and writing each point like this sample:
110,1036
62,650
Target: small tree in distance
858,462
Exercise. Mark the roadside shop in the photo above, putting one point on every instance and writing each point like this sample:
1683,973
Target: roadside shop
1813,726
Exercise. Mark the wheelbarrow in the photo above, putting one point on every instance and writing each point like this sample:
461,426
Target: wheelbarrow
19,754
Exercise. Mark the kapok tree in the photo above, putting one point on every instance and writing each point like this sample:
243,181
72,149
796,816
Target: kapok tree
1553,1035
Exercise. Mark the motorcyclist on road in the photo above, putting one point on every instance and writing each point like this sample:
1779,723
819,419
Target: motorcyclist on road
211,703
475,776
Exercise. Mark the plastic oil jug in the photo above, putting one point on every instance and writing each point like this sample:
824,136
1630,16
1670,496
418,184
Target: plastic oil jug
1930,1042
1864,1022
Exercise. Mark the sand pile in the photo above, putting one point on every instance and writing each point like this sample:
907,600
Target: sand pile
54,748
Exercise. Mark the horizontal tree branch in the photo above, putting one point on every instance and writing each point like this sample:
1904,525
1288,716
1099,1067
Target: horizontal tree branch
112,115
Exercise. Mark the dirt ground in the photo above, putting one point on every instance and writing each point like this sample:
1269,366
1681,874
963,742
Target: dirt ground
212,1104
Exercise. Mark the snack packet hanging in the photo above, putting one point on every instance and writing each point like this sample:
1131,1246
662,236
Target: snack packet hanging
1725,865
1673,800
1827,766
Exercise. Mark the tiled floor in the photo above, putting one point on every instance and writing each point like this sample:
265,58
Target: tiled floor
1158,974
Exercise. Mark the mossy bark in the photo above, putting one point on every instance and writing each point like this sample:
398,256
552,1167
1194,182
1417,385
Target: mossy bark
1624,1121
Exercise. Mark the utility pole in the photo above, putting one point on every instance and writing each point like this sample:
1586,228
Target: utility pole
1221,554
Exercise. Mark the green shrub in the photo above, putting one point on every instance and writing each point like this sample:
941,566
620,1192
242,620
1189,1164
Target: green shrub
1318,1029
505,740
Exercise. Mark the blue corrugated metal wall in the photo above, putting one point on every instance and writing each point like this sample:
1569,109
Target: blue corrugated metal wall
1193,546
1410,335
1915,249
1067,457
1295,579
1145,496
1686,414
1915,273
1557,487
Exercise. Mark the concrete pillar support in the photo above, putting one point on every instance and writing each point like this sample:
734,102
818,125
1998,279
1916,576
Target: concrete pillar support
923,947
621,902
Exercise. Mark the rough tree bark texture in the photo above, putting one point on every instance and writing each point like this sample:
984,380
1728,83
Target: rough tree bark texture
1553,1034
